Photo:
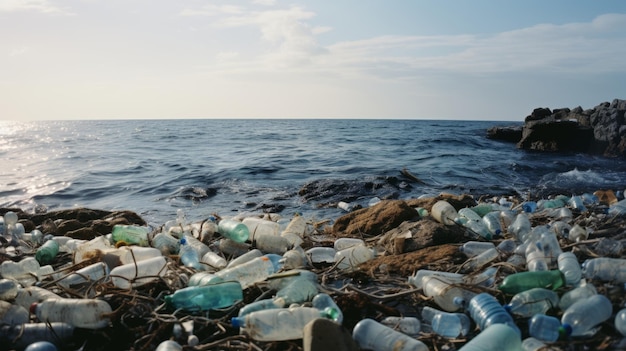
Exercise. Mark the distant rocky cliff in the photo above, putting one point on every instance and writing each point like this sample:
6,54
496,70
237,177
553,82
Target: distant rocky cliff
600,130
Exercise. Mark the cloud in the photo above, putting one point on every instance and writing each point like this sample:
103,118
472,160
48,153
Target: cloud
42,6
213,10
264,2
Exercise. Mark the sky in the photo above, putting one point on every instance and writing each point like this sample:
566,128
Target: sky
415,59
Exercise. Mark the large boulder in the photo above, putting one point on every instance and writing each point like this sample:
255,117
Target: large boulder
600,130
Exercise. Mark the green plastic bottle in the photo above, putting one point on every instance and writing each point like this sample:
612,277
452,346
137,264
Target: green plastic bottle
47,252
523,281
130,234
206,297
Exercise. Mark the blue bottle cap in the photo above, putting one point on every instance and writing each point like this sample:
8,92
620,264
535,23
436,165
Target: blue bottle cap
498,232
507,308
183,241
237,322
565,330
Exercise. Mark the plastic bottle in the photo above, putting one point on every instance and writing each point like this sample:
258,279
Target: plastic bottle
214,260
520,227
12,314
28,266
533,344
169,345
494,338
550,245
579,293
298,291
233,230
205,297
349,259
297,226
321,254
8,289
233,248
92,248
620,321
200,247
248,256
278,281
488,256
277,324
129,254
253,271
447,296
472,221
576,203
475,248
530,302
417,279
446,324
492,222
521,281
568,264
166,243
130,234
585,315
47,252
259,305
270,243
133,275
486,311
81,313
325,302
546,328
32,294
444,213
90,273
577,233
344,243
259,226
529,206
536,261
294,258
410,326
605,269
19,337
189,256
372,335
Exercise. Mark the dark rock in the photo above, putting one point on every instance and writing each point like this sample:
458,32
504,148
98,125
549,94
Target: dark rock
29,226
324,335
412,236
601,130
68,225
511,134
102,227
84,233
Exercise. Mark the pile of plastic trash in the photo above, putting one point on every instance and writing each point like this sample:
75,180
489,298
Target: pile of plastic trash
537,274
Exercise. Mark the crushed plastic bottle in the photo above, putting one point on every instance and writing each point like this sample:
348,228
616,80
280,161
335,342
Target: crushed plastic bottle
349,259
530,302
372,335
446,324
410,326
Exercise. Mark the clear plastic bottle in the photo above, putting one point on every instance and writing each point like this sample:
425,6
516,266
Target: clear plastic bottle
47,252
271,243
8,289
205,297
620,321
372,335
214,260
129,254
568,264
349,259
486,311
605,269
576,203
19,337
189,256
546,328
549,243
344,243
446,295
277,324
325,302
533,344
561,228
253,271
494,338
92,248
410,326
321,254
536,261
233,230
520,227
475,248
32,294
297,226
444,213
417,279
28,266
200,247
12,314
472,221
294,258
137,274
203,278
91,273
298,291
259,227
259,305
248,256
492,222
585,315
81,313
446,324
166,243
577,233
521,281
579,293
130,234
530,302
169,345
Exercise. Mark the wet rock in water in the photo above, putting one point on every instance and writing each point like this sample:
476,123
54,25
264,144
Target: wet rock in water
324,335
85,233
375,220
68,226
412,236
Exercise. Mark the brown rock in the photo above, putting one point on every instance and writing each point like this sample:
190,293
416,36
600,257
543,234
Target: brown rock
68,225
324,335
84,233
457,201
375,220
412,236
442,258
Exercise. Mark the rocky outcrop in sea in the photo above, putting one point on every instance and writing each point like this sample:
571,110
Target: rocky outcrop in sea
600,130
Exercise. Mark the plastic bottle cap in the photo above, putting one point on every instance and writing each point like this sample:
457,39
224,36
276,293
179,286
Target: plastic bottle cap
507,308
237,322
183,241
498,231
565,330
33,308
168,300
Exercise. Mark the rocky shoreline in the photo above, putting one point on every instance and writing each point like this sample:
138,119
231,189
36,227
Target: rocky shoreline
600,130
405,241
